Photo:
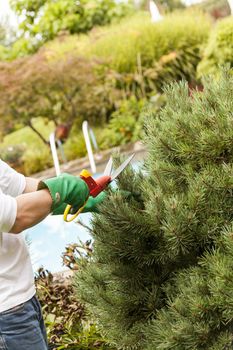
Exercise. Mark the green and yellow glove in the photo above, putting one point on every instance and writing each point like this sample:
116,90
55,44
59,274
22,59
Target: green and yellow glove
90,207
92,203
66,189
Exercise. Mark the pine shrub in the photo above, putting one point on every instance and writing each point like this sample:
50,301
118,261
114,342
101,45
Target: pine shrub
199,314
161,273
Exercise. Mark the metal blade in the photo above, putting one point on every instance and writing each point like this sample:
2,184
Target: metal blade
108,169
122,167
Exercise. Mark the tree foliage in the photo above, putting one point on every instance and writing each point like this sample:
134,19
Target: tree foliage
65,91
44,19
2,34
7,37
159,268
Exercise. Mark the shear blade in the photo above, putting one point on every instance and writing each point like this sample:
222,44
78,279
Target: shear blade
122,167
108,169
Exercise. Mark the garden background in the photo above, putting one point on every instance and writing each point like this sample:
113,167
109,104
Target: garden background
106,62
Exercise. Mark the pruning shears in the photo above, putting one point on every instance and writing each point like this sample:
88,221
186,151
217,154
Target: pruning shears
98,185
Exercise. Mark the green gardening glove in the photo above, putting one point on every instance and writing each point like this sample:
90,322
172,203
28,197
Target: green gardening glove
90,207
60,210
92,203
66,189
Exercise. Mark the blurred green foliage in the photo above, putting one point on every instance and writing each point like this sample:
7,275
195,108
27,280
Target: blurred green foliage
121,44
13,155
25,151
170,5
45,19
219,50
36,160
75,145
3,33
216,8
7,36
137,49
20,48
105,76
121,127
100,76
127,123
3,52
163,5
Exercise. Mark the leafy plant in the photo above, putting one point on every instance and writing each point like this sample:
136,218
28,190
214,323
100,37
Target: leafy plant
34,154
122,44
68,326
44,20
170,5
13,155
139,56
147,81
219,48
35,160
177,65
75,145
121,127
120,62
68,90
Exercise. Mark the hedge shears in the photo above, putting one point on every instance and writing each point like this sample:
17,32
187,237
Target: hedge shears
98,185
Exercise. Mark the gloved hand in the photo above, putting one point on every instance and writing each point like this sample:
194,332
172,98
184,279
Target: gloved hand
66,189
90,207
92,203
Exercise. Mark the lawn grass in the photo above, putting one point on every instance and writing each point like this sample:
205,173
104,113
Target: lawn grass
25,151
26,136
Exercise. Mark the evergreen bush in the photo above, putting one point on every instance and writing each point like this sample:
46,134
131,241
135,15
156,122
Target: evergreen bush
199,313
163,256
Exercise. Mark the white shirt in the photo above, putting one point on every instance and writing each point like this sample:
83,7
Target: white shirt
16,274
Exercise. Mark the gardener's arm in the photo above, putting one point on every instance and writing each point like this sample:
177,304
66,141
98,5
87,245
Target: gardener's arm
42,197
32,208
